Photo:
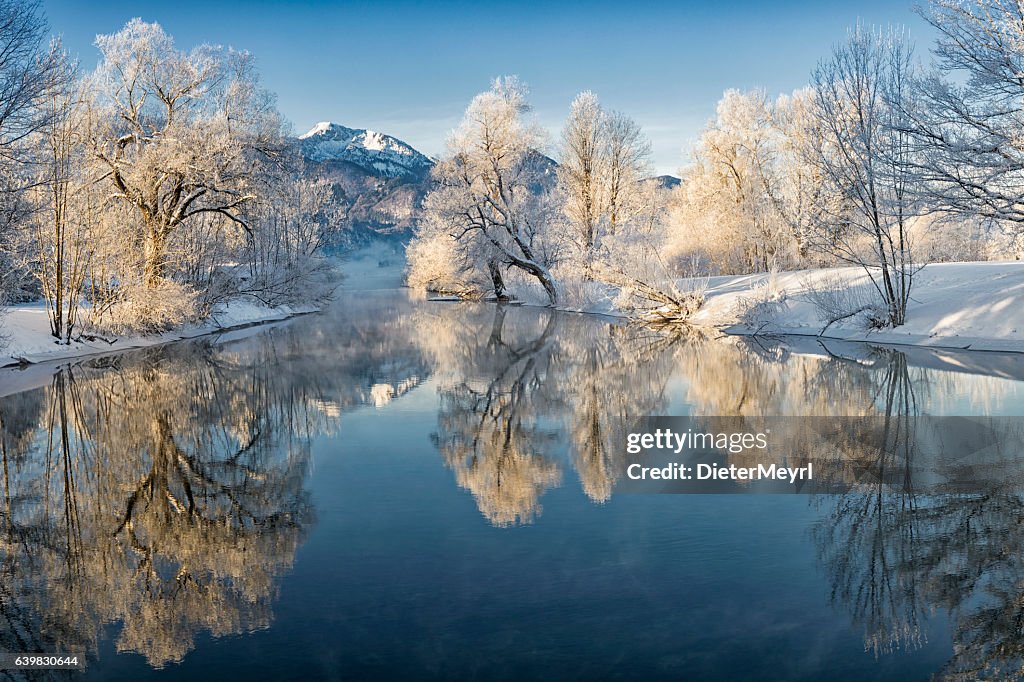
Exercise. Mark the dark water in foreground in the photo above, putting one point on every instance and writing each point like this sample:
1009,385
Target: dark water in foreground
397,490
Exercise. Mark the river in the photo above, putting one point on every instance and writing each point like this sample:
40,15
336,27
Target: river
400,489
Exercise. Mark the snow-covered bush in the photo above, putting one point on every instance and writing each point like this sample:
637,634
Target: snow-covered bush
631,263
141,308
837,299
439,263
579,290
659,298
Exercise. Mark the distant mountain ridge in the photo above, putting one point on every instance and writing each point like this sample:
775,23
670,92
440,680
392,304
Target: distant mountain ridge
666,181
376,153
379,180
382,181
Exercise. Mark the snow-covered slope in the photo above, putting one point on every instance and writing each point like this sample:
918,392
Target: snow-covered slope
25,333
977,306
378,154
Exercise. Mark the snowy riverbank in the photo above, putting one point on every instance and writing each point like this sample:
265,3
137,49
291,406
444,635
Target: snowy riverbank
25,332
27,349
976,306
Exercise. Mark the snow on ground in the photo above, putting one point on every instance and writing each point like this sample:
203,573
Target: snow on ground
977,306
25,338
25,332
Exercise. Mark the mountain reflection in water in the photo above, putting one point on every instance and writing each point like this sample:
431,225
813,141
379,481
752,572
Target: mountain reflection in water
167,491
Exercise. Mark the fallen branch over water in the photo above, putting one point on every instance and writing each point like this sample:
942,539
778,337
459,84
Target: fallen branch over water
652,303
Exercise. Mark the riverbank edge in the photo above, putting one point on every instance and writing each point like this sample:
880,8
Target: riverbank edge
882,338
16,376
963,307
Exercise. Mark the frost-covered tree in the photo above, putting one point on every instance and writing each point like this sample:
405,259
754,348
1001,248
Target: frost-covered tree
627,163
64,204
969,124
154,188
490,431
604,162
862,91
750,199
798,187
487,198
29,69
180,134
611,214
581,172
725,214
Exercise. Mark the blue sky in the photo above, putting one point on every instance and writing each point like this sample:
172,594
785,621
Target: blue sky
410,68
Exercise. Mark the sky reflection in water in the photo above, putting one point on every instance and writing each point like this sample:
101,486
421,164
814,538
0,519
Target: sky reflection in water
429,490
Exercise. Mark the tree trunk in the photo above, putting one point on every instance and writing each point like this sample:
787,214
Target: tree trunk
543,277
155,256
549,287
497,280
494,341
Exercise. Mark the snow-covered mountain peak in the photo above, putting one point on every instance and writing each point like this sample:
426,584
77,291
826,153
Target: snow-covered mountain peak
374,140
320,128
328,130
375,152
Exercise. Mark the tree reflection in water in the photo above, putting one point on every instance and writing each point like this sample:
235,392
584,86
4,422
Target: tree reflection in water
517,380
165,490
898,550
519,387
489,433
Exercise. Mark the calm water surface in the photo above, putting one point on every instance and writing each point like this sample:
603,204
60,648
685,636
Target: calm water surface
403,490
